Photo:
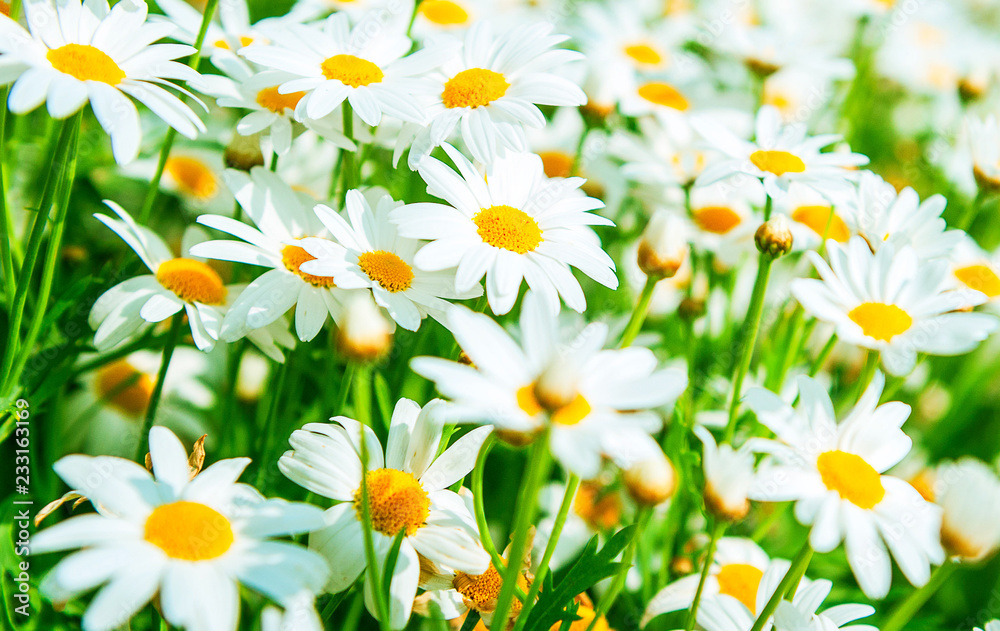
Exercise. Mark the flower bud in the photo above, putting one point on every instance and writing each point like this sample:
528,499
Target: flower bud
556,387
243,153
364,334
651,481
968,491
728,475
774,237
663,246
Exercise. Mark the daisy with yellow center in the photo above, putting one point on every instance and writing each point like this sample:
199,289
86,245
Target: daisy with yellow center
283,219
490,91
968,491
814,218
596,403
191,540
893,302
331,62
227,33
514,225
834,471
371,255
407,492
779,155
977,270
106,56
175,284
725,219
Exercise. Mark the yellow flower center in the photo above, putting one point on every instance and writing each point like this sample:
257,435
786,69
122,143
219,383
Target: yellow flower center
556,163
526,400
124,387
664,94
480,592
880,321
443,12
474,87
740,581
508,228
644,54
192,281
4,8
387,269
571,413
600,510
820,221
777,162
189,531
245,40
396,501
192,176
717,219
586,615
351,70
848,474
271,99
293,257
85,63
981,278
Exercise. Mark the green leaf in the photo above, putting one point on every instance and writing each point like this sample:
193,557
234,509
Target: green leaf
470,620
592,567
390,563
384,399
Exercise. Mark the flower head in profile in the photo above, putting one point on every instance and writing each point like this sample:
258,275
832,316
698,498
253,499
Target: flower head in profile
779,155
407,492
968,491
834,474
77,52
594,403
191,540
892,302
515,224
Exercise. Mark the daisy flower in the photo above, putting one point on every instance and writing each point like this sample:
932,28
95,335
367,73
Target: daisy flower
229,31
269,110
515,224
79,51
882,216
595,403
283,218
984,140
725,219
893,303
801,615
176,283
992,625
493,89
193,173
813,217
976,269
193,540
332,63
779,155
968,491
728,474
407,491
834,474
369,254
597,509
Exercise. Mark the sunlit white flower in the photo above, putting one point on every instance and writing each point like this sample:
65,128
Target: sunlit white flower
833,473
514,225
367,66
968,491
597,510
193,173
407,491
802,616
992,625
83,51
283,218
725,218
299,615
728,476
984,138
893,303
371,255
813,218
974,268
595,403
492,90
779,155
191,540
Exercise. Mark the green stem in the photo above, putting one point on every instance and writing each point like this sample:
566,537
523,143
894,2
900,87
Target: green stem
168,140
176,326
6,232
970,212
610,596
902,614
267,433
867,372
748,337
572,484
824,354
345,387
59,159
792,577
639,313
792,345
538,466
477,498
347,169
717,531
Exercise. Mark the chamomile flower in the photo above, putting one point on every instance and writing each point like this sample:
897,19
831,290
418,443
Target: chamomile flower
725,218
514,225
968,492
192,173
191,540
974,268
802,616
833,473
728,474
493,89
283,218
227,33
369,254
779,155
79,51
595,403
176,284
407,492
813,217
299,615
332,63
597,509
893,303
984,140
992,625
